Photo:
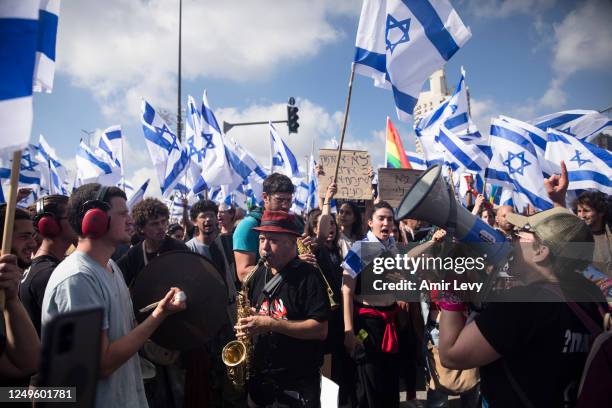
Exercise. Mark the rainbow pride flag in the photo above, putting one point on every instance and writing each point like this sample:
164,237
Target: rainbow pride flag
395,153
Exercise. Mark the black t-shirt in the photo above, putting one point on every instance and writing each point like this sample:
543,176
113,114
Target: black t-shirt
133,261
544,345
300,296
32,288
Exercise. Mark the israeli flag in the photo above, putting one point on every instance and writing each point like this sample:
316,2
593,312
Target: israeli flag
538,139
313,185
18,44
401,43
111,144
207,148
300,197
454,115
91,168
588,166
138,195
44,69
55,177
283,160
459,155
29,169
417,161
246,168
169,159
582,124
177,207
514,165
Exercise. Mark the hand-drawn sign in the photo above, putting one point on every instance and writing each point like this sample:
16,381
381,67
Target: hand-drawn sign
353,180
394,183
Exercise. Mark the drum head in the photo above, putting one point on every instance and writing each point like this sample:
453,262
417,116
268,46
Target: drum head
206,294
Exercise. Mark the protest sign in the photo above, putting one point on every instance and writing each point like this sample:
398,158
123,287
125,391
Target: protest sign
353,180
393,184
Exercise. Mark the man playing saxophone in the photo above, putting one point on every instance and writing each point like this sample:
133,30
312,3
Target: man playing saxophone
289,320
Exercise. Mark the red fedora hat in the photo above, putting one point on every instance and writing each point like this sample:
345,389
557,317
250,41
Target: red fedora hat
280,221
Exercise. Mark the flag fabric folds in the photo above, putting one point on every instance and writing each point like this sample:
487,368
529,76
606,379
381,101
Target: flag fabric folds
54,179
395,153
18,44
282,160
460,155
44,69
401,43
111,144
169,159
92,168
514,165
206,148
580,123
588,166
417,161
138,195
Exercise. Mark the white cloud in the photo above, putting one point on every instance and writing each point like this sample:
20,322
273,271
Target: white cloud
506,8
122,50
582,41
482,110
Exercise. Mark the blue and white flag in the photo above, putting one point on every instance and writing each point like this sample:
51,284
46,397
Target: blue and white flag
417,161
18,44
169,159
588,166
452,113
514,164
177,205
247,169
29,169
401,43
111,144
282,160
91,168
44,70
460,155
580,123
538,139
300,197
138,195
206,148
54,176
313,185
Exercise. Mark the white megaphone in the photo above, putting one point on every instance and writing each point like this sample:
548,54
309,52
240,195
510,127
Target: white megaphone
430,199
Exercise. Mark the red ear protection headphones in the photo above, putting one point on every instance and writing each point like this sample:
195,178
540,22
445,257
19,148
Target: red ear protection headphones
96,221
45,222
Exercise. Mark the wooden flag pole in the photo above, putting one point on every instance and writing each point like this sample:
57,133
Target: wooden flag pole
344,122
9,218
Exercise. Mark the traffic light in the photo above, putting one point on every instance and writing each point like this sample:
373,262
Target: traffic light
292,116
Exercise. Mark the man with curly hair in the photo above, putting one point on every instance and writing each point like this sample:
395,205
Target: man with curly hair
151,221
593,207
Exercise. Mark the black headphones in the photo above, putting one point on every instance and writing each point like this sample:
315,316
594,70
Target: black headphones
95,220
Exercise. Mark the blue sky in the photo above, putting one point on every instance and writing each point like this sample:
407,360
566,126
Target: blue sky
525,58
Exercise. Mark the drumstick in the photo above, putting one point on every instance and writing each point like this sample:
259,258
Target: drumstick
179,297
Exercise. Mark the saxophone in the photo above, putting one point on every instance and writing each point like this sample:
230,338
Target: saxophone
305,249
237,354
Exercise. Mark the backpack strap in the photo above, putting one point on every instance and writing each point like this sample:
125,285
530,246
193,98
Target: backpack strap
586,320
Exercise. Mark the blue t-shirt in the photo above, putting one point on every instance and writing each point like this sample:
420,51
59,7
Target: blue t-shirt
80,282
245,238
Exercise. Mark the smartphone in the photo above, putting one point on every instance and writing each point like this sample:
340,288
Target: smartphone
71,354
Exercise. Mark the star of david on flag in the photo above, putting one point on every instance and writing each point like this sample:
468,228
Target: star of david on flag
394,34
514,165
169,160
392,26
589,166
